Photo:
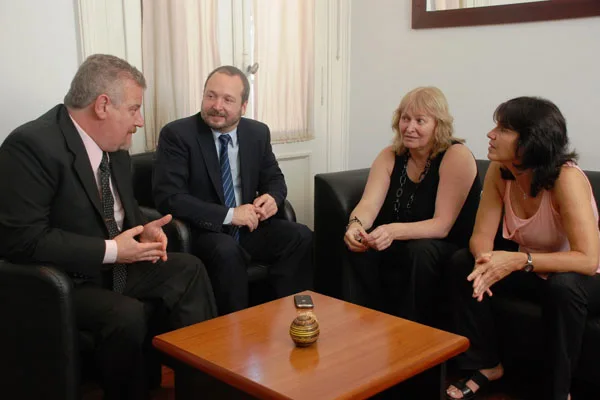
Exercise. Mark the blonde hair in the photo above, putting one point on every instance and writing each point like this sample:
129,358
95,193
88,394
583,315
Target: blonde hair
430,101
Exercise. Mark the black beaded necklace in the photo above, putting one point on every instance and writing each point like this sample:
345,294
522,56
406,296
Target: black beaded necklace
400,190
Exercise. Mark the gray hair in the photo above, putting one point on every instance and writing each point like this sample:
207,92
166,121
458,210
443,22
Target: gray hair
101,74
230,70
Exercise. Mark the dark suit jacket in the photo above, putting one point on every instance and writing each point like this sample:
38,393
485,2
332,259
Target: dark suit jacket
50,208
187,175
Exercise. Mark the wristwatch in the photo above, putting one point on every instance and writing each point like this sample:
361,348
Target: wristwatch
529,266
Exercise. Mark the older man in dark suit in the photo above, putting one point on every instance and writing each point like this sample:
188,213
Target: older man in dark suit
217,171
67,200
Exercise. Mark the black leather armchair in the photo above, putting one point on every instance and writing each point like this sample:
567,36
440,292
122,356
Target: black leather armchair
141,170
519,321
43,355
142,165
39,344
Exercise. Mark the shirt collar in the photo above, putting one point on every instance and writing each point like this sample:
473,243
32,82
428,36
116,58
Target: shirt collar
233,135
94,151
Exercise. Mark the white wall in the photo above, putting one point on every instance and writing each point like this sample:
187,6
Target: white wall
477,68
39,58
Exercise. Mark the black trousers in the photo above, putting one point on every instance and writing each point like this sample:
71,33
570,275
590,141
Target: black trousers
566,300
286,246
402,280
157,298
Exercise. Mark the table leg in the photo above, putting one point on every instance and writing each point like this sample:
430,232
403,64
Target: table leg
442,381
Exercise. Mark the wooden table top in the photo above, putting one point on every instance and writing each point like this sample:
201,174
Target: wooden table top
360,352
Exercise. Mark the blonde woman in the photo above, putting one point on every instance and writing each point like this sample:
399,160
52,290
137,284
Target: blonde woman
417,209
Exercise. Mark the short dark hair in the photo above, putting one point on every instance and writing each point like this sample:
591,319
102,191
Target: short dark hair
101,74
543,144
233,71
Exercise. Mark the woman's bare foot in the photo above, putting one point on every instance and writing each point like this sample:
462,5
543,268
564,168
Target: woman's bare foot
491,373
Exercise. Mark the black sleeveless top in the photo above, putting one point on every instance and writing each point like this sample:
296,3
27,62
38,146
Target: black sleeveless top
422,206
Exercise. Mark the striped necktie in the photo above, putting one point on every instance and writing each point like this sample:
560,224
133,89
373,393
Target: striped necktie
226,178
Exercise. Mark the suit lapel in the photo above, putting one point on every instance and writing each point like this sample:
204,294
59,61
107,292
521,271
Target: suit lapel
246,161
81,163
209,155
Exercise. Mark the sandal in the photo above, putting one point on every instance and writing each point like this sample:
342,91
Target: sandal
467,393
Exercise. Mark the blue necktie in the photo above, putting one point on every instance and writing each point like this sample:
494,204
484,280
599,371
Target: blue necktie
229,194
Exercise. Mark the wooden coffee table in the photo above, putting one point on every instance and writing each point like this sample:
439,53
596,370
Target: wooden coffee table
249,354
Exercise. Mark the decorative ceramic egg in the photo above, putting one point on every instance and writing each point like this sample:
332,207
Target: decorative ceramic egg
304,329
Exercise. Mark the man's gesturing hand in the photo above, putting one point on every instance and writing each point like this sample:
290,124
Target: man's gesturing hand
130,250
153,232
265,206
245,215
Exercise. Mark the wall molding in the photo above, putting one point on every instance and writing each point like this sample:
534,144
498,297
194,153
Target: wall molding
293,155
306,194
338,84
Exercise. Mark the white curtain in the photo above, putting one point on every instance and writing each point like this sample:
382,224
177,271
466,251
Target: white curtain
179,48
475,3
284,50
438,5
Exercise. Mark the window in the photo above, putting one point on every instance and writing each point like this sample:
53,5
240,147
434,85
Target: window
272,38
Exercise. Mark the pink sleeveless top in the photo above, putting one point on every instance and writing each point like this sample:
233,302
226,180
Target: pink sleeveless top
542,232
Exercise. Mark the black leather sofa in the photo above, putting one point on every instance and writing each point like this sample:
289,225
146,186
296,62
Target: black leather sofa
42,354
336,194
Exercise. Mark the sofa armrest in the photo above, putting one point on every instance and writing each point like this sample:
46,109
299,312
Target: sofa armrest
178,233
39,352
336,195
286,212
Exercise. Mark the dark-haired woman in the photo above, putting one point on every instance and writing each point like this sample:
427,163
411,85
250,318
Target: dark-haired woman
549,210
417,209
